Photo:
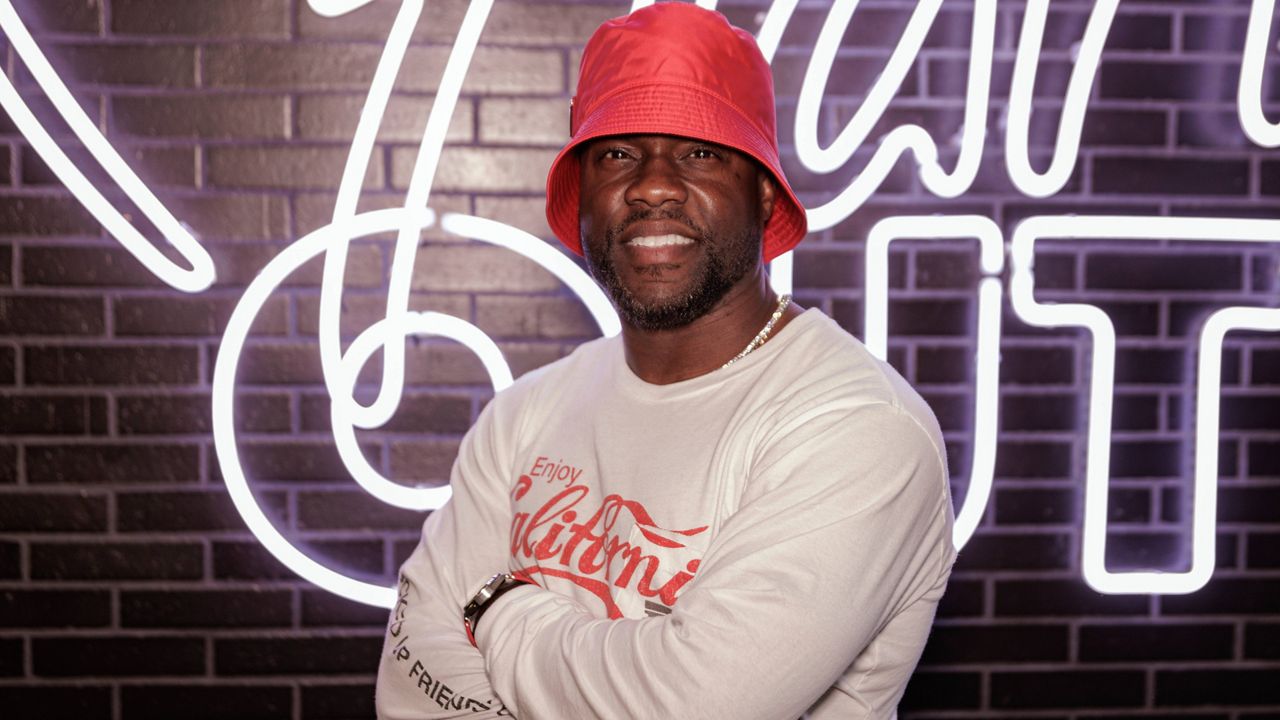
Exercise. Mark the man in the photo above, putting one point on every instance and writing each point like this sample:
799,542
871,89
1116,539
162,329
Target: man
732,510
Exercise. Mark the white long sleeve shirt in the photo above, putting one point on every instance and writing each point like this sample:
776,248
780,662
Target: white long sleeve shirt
764,540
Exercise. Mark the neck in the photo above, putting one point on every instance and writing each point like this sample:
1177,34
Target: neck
662,357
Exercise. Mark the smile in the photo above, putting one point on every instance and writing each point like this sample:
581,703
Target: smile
657,241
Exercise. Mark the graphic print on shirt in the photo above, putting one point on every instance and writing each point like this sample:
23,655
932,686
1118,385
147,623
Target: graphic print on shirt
563,528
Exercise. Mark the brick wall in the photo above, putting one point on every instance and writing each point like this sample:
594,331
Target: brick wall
129,585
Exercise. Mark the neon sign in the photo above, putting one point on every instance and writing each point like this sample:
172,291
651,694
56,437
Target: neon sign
389,334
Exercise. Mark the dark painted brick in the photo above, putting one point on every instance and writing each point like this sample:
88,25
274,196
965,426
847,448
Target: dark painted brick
184,414
8,366
1135,412
1026,413
335,702
1216,687
11,657
54,608
84,267
8,464
931,690
1226,596
206,608
1255,411
1159,643
1262,640
195,316
1010,551
44,415
1035,506
1198,80
1138,458
10,560
1159,272
42,315
1037,366
169,66
1249,504
1162,176
30,215
1263,550
240,18
1030,459
60,702
1142,366
117,561
117,365
1146,550
827,268
964,598
53,512
288,656
1066,598
940,269
112,464
996,644
193,511
1266,367
117,657
1129,505
943,365
1264,459
247,561
324,609
206,702
929,317
213,117
1067,688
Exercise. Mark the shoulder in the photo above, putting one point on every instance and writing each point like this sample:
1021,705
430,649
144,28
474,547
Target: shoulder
823,369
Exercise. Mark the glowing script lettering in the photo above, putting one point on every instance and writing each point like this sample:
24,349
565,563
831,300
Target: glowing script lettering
390,333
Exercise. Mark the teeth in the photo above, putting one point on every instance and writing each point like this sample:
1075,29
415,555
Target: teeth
654,241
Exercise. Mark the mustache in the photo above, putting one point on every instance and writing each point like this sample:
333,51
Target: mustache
676,214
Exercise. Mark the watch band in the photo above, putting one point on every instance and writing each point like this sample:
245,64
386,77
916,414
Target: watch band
494,588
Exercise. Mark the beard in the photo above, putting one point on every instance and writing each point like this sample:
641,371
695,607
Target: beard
727,259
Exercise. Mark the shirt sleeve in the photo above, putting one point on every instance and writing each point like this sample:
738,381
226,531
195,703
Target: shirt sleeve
844,525
428,668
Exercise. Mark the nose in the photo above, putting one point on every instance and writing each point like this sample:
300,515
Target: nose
657,181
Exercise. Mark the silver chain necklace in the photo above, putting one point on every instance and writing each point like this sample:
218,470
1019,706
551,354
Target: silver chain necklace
763,335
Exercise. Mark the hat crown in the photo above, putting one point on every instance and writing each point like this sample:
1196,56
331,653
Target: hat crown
677,43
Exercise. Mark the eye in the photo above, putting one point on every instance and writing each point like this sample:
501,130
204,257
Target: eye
704,152
614,153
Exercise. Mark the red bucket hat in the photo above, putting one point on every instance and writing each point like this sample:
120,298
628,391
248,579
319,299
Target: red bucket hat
674,69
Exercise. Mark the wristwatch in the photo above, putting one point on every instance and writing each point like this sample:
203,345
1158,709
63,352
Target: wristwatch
492,590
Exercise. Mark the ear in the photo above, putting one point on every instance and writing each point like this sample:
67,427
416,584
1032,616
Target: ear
768,193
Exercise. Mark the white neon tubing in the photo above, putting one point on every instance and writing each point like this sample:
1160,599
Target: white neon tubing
1249,96
781,271
519,241
986,420
334,8
224,386
335,261
201,274
376,337
1101,389
775,22
904,138
419,192
1083,72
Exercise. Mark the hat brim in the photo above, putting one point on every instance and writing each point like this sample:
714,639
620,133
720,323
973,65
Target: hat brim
671,109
